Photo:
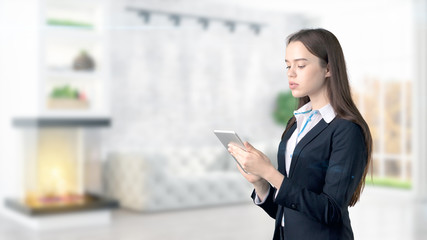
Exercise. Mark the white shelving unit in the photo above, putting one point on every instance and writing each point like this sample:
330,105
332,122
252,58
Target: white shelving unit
68,28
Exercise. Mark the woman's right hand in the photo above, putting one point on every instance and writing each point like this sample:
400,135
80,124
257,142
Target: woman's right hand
236,152
252,178
260,184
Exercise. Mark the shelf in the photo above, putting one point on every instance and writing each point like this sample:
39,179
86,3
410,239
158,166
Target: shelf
82,15
70,34
61,122
71,75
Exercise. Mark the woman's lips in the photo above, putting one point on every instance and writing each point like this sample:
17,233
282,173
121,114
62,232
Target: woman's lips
293,85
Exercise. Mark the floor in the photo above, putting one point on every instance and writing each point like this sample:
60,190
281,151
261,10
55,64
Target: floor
391,215
375,217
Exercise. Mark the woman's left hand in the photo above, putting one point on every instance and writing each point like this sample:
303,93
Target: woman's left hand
252,160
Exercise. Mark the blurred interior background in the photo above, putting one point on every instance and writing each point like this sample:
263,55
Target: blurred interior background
107,112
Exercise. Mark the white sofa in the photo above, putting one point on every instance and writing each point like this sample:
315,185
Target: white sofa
174,178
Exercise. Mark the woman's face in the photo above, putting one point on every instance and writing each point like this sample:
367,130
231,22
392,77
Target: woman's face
306,76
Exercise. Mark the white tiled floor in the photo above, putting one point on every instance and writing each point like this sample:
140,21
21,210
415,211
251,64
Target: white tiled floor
243,221
377,216
385,214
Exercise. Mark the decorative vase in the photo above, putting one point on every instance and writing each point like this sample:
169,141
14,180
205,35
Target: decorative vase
84,62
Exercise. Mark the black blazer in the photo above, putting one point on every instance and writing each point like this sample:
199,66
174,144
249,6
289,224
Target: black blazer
326,168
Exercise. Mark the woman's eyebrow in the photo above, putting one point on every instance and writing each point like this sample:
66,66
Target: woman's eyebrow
297,59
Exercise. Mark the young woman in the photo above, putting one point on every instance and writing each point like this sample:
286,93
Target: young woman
325,151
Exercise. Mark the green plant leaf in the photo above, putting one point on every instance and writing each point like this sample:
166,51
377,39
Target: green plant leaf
285,106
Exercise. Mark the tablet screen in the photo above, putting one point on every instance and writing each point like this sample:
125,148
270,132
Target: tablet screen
227,137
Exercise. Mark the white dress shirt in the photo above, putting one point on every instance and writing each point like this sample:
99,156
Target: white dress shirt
303,114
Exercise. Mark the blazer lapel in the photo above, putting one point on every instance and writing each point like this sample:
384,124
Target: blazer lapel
289,132
282,149
304,141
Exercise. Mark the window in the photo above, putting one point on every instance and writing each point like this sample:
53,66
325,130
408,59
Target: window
386,106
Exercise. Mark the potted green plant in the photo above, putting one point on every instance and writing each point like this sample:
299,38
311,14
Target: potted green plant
66,97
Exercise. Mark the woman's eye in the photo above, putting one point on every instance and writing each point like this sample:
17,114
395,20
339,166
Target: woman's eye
303,66
288,67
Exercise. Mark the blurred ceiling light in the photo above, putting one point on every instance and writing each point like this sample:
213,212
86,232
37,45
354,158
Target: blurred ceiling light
256,28
176,19
231,25
203,20
145,15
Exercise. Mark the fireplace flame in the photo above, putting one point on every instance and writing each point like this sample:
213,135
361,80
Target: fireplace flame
56,180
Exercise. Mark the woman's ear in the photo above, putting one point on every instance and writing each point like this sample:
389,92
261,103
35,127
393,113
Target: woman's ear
328,72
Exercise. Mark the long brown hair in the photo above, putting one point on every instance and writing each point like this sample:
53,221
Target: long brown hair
326,46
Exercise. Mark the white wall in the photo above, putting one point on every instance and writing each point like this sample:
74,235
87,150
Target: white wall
171,86
18,83
420,99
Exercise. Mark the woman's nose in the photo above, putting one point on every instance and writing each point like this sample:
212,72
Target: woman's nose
291,72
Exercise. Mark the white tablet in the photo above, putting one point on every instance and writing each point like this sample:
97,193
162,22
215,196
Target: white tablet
227,137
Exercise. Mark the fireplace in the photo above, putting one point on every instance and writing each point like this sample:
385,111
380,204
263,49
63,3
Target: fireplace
53,177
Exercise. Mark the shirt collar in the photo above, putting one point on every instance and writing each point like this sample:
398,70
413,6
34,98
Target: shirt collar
305,108
327,112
